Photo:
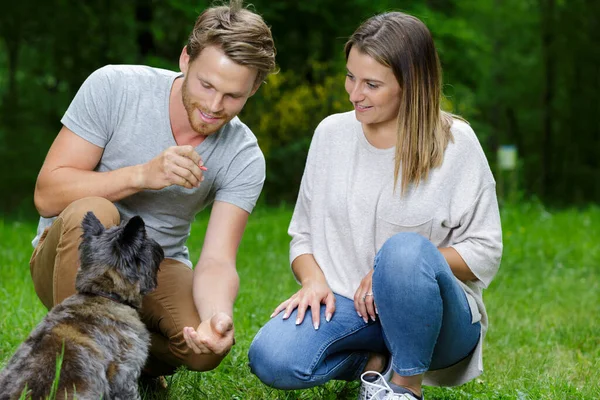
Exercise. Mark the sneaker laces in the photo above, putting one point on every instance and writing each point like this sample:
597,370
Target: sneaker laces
372,389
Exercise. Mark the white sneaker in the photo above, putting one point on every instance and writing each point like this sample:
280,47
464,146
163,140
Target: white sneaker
379,389
374,386
372,390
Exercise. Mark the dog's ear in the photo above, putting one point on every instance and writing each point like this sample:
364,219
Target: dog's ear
130,242
150,264
91,225
133,233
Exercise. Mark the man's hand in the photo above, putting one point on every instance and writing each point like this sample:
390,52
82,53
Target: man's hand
214,336
177,165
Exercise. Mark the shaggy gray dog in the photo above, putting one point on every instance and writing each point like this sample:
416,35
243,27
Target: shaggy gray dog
98,329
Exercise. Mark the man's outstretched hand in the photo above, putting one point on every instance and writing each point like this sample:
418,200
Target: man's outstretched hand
213,336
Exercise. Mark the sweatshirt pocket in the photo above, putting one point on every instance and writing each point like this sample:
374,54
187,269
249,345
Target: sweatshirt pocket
385,229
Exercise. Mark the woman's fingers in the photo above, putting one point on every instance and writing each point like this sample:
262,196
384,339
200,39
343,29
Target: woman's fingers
329,306
304,299
290,307
315,308
359,304
370,305
302,306
280,307
365,304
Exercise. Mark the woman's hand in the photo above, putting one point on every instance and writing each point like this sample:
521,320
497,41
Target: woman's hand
311,295
363,299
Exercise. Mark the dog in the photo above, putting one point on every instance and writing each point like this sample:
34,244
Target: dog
97,331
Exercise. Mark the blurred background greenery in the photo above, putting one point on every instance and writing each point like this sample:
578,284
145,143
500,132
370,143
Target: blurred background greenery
523,72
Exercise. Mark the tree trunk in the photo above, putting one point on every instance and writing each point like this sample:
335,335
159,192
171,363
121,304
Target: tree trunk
11,97
548,11
145,38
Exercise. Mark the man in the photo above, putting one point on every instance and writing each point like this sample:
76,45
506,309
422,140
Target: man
144,141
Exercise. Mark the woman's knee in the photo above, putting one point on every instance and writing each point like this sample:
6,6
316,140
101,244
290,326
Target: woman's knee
401,254
263,362
274,368
106,212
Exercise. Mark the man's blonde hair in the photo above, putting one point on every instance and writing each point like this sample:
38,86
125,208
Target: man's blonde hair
242,35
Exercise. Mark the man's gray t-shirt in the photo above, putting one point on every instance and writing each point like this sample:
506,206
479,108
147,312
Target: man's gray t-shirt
125,110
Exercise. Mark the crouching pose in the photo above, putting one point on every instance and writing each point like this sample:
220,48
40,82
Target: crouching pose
395,233
164,145
96,333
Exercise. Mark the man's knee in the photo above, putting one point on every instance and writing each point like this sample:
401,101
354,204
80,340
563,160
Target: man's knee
201,362
103,209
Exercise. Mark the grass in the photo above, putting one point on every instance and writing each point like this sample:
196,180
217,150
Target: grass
544,335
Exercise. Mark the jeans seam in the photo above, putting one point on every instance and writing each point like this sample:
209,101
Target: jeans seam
337,367
410,371
57,259
326,346
363,364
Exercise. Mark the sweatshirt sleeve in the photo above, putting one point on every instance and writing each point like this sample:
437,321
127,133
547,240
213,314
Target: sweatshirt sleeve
299,228
478,238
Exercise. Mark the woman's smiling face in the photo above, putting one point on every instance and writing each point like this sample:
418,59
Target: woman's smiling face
373,89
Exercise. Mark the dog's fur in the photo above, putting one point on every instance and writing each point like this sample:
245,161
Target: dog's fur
105,343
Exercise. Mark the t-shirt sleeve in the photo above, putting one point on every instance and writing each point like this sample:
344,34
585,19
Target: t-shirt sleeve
244,180
478,238
89,114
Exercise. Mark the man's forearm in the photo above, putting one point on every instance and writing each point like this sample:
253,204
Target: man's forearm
215,289
55,190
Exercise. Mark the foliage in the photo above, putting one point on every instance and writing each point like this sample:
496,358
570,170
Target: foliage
284,115
542,342
517,70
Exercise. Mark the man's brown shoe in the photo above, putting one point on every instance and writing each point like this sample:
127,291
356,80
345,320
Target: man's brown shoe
152,384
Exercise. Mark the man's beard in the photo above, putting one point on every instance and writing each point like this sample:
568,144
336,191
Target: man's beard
197,125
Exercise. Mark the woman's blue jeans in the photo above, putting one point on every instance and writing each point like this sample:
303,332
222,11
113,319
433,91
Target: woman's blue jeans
424,321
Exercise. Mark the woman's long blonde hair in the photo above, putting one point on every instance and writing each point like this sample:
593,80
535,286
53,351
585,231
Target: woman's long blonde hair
404,44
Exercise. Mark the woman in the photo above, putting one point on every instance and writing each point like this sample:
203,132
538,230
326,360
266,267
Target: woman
395,233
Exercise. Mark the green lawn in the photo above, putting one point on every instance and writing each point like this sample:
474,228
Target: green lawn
544,307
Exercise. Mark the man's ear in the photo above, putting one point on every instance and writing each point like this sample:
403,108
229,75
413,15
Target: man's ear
184,60
255,88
